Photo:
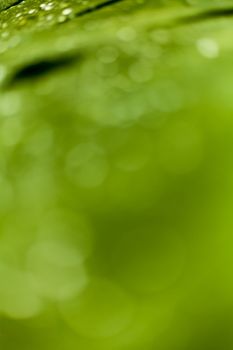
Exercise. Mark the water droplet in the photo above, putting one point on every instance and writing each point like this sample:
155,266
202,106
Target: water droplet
102,310
208,48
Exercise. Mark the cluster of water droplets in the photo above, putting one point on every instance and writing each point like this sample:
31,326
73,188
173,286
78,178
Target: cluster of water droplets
36,13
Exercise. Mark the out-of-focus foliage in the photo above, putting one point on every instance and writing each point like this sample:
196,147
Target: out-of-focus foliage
116,141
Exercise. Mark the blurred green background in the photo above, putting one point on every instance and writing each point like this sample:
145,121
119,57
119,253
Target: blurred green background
116,175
